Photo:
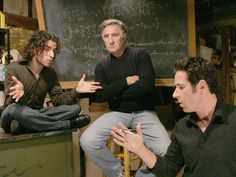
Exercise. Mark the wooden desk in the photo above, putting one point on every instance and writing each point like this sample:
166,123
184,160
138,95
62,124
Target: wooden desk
50,154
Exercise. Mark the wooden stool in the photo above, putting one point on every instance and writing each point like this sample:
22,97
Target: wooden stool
125,155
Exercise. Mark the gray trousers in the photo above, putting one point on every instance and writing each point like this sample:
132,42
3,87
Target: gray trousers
94,138
39,120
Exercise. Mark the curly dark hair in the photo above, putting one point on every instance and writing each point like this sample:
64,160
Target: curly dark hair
38,42
198,69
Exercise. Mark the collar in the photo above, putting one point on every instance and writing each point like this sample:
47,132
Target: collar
124,53
219,116
23,61
221,111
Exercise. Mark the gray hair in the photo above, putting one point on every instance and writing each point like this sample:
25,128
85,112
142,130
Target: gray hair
108,22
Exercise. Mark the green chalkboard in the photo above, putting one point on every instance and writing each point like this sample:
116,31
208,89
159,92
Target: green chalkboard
160,26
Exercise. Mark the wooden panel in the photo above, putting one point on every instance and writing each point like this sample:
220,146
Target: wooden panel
21,21
39,9
35,155
158,82
164,82
191,29
68,84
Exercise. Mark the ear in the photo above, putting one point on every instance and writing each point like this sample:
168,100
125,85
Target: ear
125,36
202,85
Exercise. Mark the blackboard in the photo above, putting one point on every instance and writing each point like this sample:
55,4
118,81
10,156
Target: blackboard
160,26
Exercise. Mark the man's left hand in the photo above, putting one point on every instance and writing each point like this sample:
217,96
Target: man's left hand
87,86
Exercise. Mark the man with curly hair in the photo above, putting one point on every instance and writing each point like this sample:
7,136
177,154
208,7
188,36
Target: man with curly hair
29,80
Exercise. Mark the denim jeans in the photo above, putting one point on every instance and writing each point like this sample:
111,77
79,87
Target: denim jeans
93,140
39,120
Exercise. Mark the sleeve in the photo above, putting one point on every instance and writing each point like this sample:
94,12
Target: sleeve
59,96
172,162
146,82
109,91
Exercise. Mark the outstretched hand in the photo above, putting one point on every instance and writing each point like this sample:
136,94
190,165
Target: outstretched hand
134,143
16,89
87,86
129,140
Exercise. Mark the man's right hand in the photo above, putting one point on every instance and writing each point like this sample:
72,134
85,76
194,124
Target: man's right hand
16,89
132,79
134,143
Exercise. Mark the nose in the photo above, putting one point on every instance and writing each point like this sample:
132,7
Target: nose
175,94
110,40
51,53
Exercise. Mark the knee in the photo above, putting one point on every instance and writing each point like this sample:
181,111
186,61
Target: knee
163,147
8,111
163,150
7,116
87,142
76,108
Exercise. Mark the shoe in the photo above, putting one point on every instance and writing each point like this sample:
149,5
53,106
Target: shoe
80,121
15,127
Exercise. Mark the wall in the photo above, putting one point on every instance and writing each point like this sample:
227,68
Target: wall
18,36
20,7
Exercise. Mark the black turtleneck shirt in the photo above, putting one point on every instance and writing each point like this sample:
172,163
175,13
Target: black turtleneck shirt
112,73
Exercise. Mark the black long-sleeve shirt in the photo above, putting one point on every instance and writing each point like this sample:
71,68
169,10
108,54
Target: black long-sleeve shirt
36,89
112,73
208,154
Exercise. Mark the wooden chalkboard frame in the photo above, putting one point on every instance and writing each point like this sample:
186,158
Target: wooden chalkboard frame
166,82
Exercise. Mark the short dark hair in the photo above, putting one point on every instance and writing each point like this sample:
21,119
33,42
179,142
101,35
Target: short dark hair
198,69
38,42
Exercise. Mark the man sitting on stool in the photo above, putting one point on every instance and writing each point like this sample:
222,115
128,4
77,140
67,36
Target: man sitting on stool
27,83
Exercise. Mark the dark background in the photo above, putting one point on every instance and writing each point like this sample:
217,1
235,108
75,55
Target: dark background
160,26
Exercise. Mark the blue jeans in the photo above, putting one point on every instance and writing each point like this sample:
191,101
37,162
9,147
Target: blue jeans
39,120
93,140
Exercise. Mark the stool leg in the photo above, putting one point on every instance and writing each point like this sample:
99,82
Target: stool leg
126,163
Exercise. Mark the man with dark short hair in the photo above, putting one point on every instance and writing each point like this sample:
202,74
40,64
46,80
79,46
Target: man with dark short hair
204,141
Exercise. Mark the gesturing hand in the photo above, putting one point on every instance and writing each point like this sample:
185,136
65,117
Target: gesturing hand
134,143
124,137
16,90
87,86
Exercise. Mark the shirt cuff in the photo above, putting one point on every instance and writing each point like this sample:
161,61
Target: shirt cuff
74,93
159,167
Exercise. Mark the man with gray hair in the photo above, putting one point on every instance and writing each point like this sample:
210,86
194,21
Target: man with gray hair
128,85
